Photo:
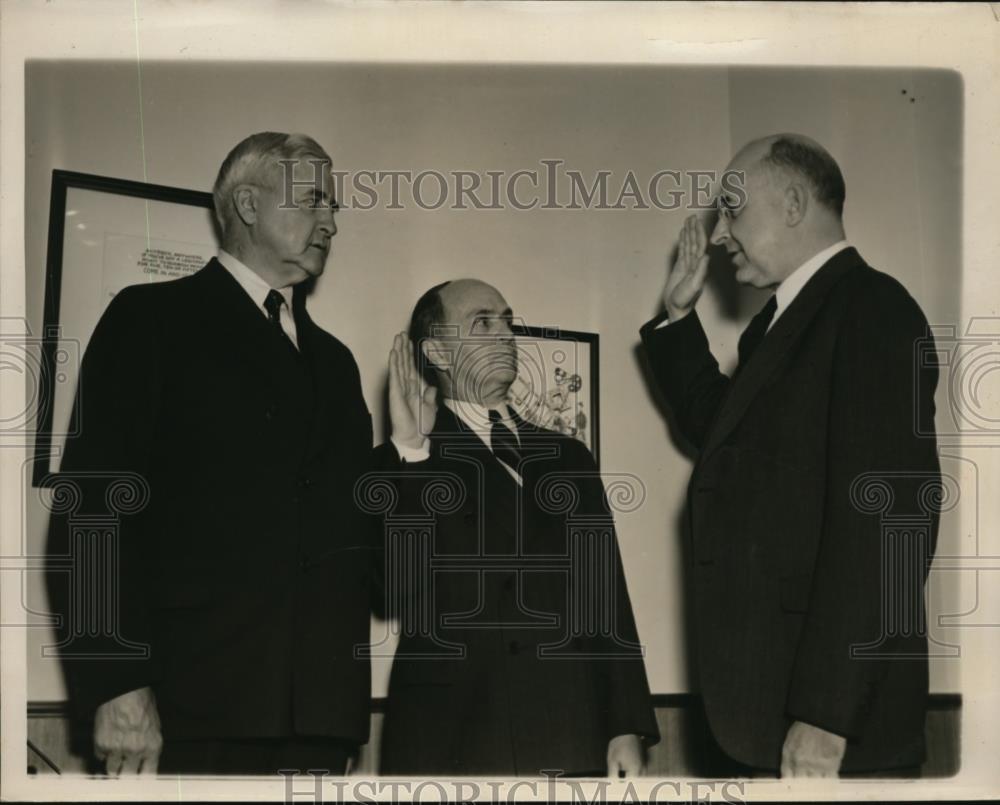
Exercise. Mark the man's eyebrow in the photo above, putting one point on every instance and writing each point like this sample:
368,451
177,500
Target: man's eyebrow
487,313
324,195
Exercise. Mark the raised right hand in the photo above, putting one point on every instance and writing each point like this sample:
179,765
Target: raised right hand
127,733
412,401
686,279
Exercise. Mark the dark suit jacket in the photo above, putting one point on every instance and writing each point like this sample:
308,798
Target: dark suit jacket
794,560
478,692
248,571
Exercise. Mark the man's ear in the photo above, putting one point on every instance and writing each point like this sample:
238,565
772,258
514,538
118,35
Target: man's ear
436,354
796,203
245,200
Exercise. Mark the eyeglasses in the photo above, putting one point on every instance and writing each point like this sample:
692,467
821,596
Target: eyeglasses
728,206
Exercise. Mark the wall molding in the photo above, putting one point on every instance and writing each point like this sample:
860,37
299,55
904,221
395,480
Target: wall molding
935,701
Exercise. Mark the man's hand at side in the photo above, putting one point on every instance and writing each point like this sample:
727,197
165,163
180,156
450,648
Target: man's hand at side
625,756
412,402
686,279
811,752
127,733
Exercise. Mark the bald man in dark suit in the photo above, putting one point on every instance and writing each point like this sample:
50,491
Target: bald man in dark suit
524,665
802,666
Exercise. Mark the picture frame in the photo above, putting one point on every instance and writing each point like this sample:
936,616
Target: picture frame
558,382
104,234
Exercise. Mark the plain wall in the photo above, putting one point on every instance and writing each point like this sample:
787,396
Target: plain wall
593,270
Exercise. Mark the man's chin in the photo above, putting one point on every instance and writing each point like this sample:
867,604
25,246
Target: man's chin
313,260
312,271
504,379
748,274
317,268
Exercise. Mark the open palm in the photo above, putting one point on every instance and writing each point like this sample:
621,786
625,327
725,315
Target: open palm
686,279
412,401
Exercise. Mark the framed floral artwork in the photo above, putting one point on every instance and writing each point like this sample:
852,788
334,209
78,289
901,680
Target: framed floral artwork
557,383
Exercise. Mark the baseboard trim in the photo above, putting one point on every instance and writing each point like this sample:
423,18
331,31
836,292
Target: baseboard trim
936,701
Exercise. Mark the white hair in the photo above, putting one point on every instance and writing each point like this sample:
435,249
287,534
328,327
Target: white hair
253,161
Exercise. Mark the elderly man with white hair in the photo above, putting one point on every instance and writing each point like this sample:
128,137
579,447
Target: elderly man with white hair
247,575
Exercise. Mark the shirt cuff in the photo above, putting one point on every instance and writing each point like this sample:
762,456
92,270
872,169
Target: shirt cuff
412,455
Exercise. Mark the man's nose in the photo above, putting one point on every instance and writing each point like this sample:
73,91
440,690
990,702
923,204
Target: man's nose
326,223
721,232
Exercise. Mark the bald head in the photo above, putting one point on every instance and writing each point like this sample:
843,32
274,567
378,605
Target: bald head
796,157
790,208
458,295
461,332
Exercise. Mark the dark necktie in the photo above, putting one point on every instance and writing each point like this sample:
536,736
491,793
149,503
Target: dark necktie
504,442
272,304
755,331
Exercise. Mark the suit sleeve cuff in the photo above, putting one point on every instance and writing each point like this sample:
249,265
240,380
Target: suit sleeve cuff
413,455
685,335
658,327
656,323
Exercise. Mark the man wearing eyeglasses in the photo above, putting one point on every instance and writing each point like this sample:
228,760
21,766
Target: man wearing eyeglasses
811,649
518,653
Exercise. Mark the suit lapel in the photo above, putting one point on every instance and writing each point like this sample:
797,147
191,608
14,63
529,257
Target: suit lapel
268,361
451,439
236,316
769,356
514,521
502,501
325,411
527,431
489,490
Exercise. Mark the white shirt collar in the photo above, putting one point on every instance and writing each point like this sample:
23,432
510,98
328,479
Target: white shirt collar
797,280
477,417
251,282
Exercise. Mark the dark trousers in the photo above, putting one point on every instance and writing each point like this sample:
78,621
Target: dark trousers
254,756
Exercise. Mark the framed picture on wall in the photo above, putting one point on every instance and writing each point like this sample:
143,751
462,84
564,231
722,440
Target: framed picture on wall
104,234
557,383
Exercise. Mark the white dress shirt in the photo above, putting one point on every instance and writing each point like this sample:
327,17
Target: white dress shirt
477,419
797,280
251,282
